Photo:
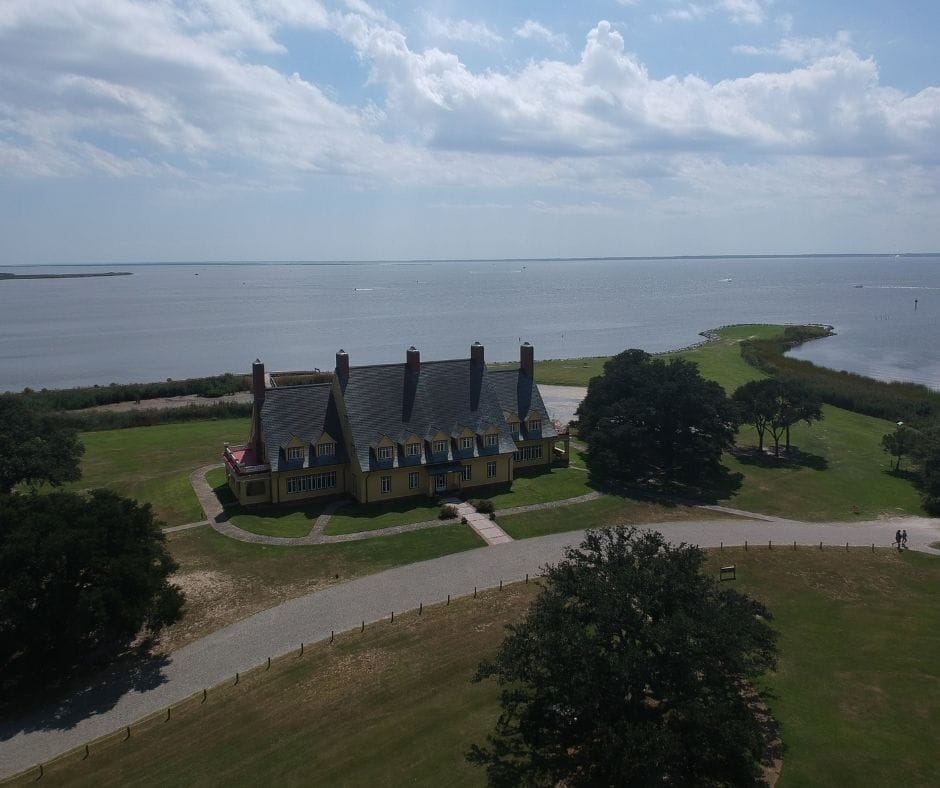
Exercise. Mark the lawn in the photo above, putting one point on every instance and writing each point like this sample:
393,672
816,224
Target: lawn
298,519
720,359
610,510
355,517
554,484
283,520
395,705
152,464
842,473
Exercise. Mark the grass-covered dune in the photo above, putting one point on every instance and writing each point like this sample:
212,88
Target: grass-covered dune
395,705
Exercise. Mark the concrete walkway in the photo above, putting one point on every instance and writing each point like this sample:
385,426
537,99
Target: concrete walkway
484,527
130,693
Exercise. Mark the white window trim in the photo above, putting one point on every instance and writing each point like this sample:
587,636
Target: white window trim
384,452
467,473
326,450
414,480
492,440
491,470
414,449
440,446
466,443
385,485
295,452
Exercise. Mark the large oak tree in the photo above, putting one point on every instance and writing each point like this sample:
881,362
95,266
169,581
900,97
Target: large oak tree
82,577
631,668
34,447
646,418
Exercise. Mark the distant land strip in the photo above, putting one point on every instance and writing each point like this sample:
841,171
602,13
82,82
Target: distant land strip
4,275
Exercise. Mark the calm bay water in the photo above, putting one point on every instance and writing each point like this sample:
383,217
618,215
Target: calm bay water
187,320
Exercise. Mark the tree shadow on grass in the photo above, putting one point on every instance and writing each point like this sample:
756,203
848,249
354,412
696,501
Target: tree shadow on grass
723,485
232,508
906,475
795,458
35,705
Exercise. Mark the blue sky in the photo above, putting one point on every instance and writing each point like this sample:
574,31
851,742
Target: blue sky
311,129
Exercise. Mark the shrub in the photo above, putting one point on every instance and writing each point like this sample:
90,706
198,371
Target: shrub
483,506
448,512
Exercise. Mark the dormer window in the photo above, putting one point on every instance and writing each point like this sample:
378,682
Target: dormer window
295,453
384,452
414,449
326,450
514,427
466,443
492,441
535,425
440,446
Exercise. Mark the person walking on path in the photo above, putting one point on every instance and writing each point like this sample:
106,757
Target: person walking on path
904,538
897,538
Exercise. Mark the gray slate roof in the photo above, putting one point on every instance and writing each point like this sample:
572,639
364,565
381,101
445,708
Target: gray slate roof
519,394
305,412
445,396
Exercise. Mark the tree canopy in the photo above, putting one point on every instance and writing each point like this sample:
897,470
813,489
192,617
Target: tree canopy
646,418
632,667
899,443
774,405
82,576
35,447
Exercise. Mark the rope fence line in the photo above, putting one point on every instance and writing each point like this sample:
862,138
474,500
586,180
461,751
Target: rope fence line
83,752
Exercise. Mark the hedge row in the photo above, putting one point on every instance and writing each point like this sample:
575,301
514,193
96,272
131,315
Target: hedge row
94,420
92,396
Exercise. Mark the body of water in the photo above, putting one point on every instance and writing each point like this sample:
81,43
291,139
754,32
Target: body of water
177,321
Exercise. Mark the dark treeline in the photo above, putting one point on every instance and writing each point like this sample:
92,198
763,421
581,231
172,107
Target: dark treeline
908,402
94,420
210,387
93,396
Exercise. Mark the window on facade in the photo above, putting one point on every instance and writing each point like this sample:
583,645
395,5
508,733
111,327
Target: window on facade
440,446
414,449
535,425
528,453
491,470
384,452
413,480
386,484
467,473
295,453
492,440
466,443
312,482
326,450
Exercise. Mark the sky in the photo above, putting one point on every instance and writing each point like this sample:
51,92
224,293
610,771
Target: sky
210,130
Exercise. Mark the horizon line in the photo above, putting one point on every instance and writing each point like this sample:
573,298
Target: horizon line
428,260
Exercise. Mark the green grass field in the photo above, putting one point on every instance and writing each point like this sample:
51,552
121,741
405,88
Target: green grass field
610,510
152,464
395,705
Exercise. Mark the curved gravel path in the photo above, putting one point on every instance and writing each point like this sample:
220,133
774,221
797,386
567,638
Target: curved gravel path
128,695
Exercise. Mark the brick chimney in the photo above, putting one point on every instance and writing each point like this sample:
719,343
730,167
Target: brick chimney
257,380
476,353
527,359
257,387
413,360
342,364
